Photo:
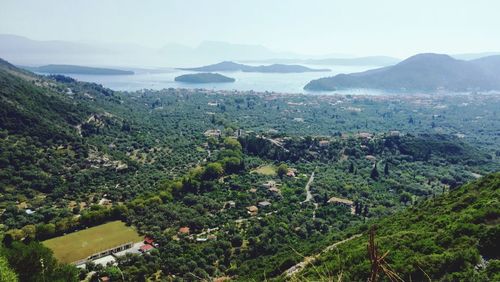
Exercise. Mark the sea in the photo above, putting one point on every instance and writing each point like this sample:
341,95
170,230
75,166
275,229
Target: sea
292,83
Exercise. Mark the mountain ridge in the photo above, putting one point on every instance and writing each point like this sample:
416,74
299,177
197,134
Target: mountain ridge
421,72
76,69
274,68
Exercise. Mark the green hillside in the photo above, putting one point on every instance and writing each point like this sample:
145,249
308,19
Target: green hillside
204,78
75,155
453,237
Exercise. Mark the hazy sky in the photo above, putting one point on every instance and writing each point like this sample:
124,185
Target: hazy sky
368,27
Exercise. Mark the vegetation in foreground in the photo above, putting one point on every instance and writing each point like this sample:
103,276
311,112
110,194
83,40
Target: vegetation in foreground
453,237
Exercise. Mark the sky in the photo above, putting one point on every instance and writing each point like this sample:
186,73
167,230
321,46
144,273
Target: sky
383,27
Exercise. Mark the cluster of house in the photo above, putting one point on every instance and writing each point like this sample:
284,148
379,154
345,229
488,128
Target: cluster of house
204,236
149,244
213,133
272,187
253,210
217,133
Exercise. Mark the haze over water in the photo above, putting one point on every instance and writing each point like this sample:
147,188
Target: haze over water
245,81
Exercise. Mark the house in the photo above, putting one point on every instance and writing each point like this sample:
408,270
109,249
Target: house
253,190
204,239
29,211
252,210
275,190
105,261
231,204
240,133
146,248
184,230
269,184
371,158
105,279
212,133
394,133
264,204
148,240
365,135
105,202
291,172
324,143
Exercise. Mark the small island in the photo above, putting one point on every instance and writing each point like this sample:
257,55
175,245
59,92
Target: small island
206,77
275,68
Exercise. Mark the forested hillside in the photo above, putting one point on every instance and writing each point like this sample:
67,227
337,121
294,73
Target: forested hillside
452,237
229,184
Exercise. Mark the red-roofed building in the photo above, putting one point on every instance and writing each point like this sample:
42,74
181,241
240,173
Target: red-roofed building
148,240
145,248
184,230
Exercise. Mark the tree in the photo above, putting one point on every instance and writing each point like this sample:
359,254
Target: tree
405,197
29,230
282,170
236,240
7,240
374,174
212,171
34,262
114,273
351,168
365,211
232,144
232,165
6,274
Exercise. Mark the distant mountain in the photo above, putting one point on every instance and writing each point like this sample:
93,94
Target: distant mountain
204,78
473,56
422,72
20,50
73,69
275,68
358,61
489,64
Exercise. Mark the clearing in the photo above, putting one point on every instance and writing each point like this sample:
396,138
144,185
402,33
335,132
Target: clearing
269,170
81,244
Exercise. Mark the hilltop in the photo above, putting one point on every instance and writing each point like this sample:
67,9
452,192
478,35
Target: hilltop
274,68
205,77
453,237
422,72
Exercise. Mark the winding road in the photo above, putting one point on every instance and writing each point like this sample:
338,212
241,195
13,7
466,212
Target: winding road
301,265
309,196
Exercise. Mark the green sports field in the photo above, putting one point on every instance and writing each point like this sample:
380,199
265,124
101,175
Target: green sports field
269,170
79,245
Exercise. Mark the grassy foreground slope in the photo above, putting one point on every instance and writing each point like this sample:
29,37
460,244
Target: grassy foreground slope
454,237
